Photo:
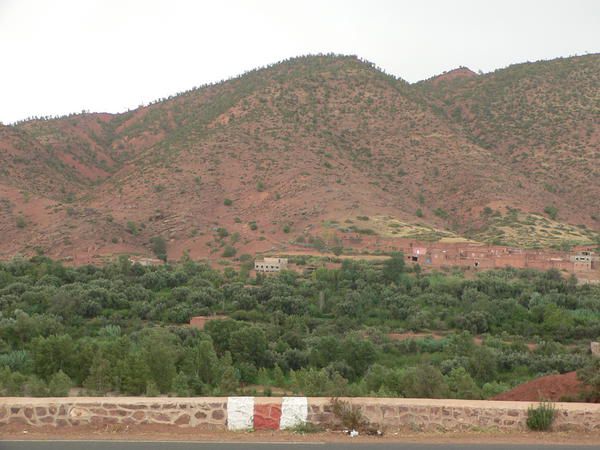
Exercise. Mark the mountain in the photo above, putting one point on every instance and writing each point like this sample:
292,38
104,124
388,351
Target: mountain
307,150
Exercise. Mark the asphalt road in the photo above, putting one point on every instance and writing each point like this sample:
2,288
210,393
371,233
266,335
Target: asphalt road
129,445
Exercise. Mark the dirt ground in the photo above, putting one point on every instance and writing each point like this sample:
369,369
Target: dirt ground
168,433
550,387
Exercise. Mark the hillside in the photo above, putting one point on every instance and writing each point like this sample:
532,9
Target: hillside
541,120
279,154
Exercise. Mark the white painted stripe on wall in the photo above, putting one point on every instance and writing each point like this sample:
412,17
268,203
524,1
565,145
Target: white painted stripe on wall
240,413
294,411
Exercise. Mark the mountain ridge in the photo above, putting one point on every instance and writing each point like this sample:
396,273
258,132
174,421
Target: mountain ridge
291,147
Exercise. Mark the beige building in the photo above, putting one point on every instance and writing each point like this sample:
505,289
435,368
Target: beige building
583,261
271,265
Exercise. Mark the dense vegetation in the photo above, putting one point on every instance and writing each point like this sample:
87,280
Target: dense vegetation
122,328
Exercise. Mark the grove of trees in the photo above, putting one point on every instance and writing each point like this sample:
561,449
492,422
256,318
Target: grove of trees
122,329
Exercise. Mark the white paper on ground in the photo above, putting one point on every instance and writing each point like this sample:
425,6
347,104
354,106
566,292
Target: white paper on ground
294,411
240,413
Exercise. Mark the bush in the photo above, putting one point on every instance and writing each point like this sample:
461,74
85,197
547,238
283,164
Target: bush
227,202
552,211
229,251
132,228
440,213
350,416
541,417
21,222
590,377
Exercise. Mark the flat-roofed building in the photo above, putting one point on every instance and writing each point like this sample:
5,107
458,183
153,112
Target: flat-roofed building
271,264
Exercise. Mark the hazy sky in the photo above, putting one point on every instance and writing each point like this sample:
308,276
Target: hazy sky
63,56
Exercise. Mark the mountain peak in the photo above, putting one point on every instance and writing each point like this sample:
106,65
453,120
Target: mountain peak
459,72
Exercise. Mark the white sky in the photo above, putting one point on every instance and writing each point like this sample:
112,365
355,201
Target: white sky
62,56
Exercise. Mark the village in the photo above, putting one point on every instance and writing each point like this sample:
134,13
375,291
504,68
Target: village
582,261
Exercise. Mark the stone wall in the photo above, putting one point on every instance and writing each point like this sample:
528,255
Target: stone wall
71,411
455,415
238,413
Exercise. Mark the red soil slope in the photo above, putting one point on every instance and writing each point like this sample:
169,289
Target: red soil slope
280,154
551,387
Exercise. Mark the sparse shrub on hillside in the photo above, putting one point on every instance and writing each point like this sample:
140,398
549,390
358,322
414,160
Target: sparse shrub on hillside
21,223
419,212
541,417
287,228
132,228
253,226
70,197
440,213
222,232
229,251
260,186
552,211
227,202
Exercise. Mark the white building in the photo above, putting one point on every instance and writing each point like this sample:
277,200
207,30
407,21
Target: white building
271,265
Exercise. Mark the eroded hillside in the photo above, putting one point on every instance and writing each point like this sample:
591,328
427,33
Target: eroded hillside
267,159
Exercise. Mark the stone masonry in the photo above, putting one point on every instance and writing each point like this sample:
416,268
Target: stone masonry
388,414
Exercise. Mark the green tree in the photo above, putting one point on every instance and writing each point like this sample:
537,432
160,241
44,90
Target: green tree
159,247
160,353
53,354
424,381
483,364
228,377
59,385
201,364
181,385
461,385
393,267
134,374
99,381
249,345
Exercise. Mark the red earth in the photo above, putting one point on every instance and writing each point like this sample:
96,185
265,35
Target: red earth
304,150
551,388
